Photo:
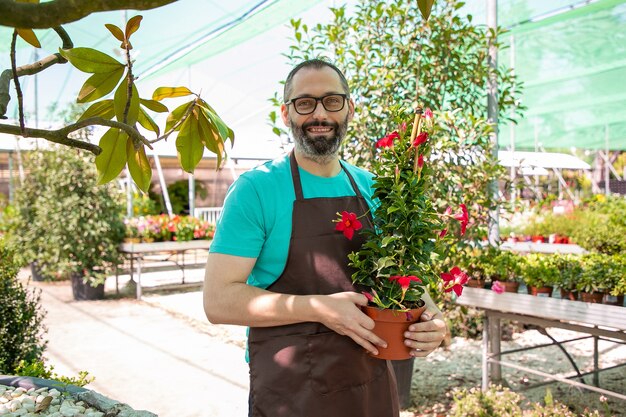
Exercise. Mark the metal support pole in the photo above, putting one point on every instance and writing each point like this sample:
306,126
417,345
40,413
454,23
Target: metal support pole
192,195
485,362
495,369
492,115
11,178
512,127
166,196
596,375
129,194
607,188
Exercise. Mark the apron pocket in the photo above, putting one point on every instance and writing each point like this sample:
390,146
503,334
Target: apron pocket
338,363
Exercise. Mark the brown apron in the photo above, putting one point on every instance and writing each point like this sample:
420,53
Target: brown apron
306,369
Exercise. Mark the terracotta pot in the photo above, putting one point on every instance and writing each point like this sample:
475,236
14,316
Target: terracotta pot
569,295
510,286
476,283
540,291
390,326
614,300
592,297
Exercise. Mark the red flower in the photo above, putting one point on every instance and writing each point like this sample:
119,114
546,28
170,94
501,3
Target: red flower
463,217
420,161
404,282
455,279
443,233
387,141
348,224
421,138
367,295
428,114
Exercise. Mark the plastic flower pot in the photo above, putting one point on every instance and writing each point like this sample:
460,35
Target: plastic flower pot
614,300
83,291
592,297
510,286
390,326
476,283
540,291
569,295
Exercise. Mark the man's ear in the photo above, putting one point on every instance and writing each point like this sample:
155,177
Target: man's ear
284,114
350,109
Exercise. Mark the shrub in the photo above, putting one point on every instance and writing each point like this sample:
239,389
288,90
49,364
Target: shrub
21,328
539,270
601,226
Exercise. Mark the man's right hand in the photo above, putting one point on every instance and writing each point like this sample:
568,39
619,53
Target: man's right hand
340,312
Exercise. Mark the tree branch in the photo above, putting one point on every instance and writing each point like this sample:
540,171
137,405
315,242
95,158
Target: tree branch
31,69
99,121
55,136
58,12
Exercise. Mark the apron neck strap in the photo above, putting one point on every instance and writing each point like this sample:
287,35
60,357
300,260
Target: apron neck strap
297,183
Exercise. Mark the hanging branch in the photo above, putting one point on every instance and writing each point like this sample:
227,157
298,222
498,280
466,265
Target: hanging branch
16,81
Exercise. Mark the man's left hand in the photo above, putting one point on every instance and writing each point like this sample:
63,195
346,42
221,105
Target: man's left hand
426,335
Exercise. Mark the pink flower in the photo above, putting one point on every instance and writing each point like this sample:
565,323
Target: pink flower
454,280
348,224
421,138
387,141
367,295
497,287
462,217
428,113
402,127
404,282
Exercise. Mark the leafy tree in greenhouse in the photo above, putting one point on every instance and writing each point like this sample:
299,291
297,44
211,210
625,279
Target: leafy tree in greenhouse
393,57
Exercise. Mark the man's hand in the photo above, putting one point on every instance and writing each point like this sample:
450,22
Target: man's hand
425,336
340,312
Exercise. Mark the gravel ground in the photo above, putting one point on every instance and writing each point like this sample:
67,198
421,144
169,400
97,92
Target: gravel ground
459,366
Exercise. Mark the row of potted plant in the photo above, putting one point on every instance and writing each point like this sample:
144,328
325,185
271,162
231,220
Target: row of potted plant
164,228
593,276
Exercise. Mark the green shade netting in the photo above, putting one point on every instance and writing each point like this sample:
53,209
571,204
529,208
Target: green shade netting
573,65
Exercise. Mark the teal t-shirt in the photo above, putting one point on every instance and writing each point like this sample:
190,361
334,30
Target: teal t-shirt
257,214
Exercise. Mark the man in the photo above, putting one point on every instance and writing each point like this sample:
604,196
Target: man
278,265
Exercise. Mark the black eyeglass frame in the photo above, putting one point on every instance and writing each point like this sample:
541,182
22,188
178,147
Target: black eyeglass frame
318,100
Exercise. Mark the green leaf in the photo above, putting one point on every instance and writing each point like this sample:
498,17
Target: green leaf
154,105
169,92
119,102
133,25
139,166
210,138
176,115
90,60
29,36
115,31
189,145
147,122
224,131
102,109
425,7
112,159
99,85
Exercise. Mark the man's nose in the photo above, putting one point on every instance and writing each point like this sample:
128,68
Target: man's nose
320,111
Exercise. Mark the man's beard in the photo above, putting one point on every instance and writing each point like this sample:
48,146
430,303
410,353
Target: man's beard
320,149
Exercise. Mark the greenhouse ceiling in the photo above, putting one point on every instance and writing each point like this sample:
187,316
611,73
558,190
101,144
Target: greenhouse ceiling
570,54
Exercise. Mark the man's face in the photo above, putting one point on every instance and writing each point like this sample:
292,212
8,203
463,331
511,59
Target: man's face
319,133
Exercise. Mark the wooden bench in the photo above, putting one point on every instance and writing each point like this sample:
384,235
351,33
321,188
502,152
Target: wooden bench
598,320
137,251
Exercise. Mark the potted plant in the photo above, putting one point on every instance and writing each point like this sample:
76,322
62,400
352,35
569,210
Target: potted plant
400,259
505,267
79,223
596,278
539,274
618,283
569,271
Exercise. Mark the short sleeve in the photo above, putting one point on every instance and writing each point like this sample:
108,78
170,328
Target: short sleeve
240,230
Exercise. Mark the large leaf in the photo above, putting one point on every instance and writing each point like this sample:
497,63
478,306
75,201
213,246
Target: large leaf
99,85
133,25
147,122
188,144
90,60
29,36
112,159
224,131
154,105
102,109
119,103
425,7
169,92
210,138
175,116
139,166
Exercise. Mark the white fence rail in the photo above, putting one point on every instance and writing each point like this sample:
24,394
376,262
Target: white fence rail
209,214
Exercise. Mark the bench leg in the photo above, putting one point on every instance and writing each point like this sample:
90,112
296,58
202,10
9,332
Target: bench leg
596,375
495,336
485,361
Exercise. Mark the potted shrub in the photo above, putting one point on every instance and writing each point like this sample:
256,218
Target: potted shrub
505,267
595,280
569,271
77,224
618,283
539,274
475,262
400,259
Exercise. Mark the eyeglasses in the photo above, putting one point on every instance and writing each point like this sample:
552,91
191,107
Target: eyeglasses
307,105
